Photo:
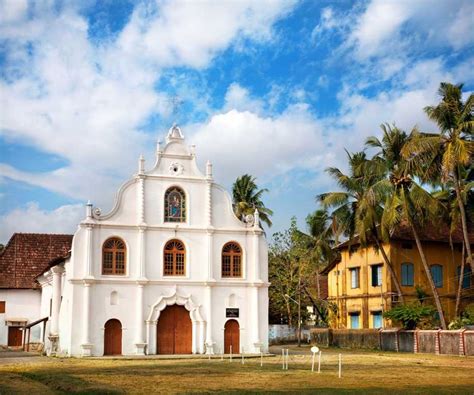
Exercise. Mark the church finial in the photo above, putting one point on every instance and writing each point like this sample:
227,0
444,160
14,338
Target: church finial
141,165
256,219
175,133
209,170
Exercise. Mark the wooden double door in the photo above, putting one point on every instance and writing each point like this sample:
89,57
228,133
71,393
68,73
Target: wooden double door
232,337
174,331
113,337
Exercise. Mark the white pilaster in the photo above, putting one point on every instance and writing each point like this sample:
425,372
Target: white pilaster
86,345
139,341
89,251
202,337
141,253
255,317
209,342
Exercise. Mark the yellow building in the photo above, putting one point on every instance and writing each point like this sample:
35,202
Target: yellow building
361,287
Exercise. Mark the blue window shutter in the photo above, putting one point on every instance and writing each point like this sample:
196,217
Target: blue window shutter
466,281
437,274
407,274
377,317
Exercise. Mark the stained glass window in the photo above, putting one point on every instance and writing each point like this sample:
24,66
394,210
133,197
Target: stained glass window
231,260
175,205
113,256
174,263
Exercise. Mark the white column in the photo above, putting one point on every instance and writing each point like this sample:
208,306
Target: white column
194,337
56,302
86,344
202,339
209,342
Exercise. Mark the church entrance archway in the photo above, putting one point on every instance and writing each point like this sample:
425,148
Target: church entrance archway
174,331
113,337
232,337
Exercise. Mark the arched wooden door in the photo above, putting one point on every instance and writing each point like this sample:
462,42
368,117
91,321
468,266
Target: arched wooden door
113,337
174,331
232,337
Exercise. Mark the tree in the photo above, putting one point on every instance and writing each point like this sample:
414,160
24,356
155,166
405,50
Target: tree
408,201
449,153
246,197
358,207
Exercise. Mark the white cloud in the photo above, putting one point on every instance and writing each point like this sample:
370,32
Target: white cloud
387,27
12,10
32,219
86,102
238,98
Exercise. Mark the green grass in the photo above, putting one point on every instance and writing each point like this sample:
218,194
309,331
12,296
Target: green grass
363,372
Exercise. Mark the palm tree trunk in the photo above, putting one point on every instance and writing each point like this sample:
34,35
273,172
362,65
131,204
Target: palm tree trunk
390,269
463,221
461,278
428,274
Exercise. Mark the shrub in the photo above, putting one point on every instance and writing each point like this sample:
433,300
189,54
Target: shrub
409,315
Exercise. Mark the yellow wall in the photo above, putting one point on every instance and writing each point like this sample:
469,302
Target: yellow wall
367,298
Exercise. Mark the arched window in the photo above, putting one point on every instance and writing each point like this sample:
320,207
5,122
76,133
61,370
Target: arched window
175,205
113,256
437,274
174,259
231,260
407,274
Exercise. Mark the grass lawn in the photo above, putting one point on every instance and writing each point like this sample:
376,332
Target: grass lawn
363,372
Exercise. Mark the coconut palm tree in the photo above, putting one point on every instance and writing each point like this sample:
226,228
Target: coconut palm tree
407,201
246,197
358,208
447,155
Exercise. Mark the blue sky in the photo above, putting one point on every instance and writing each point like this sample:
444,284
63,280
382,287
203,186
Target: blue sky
276,89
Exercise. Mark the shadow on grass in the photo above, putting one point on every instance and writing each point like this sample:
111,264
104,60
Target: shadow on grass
59,381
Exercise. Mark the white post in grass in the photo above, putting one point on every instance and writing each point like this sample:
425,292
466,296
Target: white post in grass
261,358
319,362
314,350
287,358
340,366
283,358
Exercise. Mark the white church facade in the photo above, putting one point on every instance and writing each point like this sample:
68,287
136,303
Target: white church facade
169,270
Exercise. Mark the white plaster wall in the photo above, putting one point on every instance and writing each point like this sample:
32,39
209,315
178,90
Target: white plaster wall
20,303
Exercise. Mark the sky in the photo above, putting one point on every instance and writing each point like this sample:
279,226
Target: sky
275,89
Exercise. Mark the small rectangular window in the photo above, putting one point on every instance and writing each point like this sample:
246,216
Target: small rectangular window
354,320
407,274
437,275
377,319
2,306
355,283
407,246
376,275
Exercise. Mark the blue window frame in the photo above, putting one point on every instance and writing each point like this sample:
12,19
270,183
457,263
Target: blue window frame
407,274
376,275
437,274
377,319
466,281
354,320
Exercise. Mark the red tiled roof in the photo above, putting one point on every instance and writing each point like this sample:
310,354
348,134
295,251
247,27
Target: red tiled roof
27,255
